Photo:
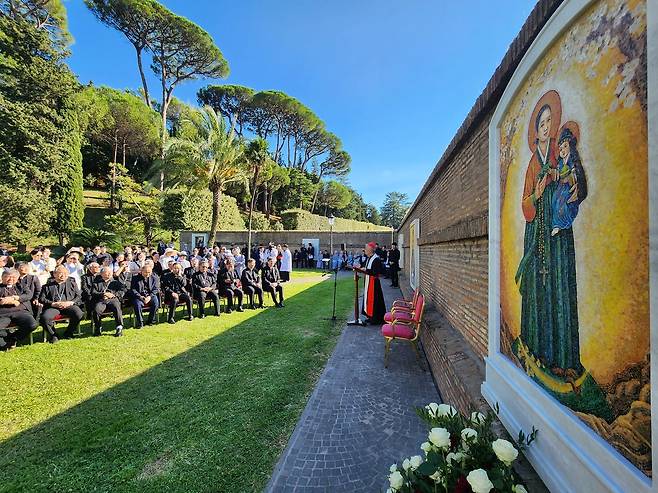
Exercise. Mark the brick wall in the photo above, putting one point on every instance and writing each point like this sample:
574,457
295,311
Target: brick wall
452,209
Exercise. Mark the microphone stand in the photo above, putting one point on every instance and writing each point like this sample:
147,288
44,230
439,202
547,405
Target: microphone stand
333,313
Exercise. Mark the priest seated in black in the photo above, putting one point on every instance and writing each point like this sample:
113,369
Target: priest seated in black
251,284
145,292
16,320
29,289
230,286
61,297
272,282
205,287
174,285
106,295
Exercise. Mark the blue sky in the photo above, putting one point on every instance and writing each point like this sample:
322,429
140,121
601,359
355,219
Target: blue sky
393,79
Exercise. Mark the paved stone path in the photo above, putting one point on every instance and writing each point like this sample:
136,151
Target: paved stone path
359,419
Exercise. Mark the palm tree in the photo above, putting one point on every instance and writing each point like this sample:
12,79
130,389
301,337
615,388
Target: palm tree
258,157
213,156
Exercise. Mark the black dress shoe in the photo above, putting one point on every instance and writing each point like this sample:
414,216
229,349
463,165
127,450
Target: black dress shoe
228,310
252,307
119,331
189,318
97,332
67,335
203,315
54,340
171,321
239,309
139,327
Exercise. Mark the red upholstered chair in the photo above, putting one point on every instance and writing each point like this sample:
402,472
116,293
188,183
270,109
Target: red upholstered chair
406,304
405,330
399,312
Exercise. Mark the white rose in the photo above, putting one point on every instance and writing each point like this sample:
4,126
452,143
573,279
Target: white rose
406,464
426,447
436,476
432,408
416,461
393,468
389,490
519,488
446,410
396,480
479,481
477,418
440,437
468,433
454,457
505,451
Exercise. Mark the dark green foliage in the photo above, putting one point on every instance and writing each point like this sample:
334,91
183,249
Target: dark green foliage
193,211
90,237
298,194
66,190
39,134
298,219
395,207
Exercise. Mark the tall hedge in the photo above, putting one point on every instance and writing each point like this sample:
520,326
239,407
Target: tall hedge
301,220
193,211
66,191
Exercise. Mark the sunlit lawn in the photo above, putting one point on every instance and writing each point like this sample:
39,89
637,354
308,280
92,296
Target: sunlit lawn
206,405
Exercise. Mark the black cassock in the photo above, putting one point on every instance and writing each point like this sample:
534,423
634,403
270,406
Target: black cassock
373,298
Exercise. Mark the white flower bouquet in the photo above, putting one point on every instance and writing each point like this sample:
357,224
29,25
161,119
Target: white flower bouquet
462,454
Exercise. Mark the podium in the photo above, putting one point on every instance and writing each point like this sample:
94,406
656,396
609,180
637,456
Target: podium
357,313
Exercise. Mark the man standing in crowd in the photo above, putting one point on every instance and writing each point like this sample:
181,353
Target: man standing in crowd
394,264
144,291
13,312
205,286
272,282
310,255
61,296
251,284
175,288
229,283
106,295
373,297
286,264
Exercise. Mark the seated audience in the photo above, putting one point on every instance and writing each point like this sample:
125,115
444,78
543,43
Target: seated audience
61,297
107,295
145,292
16,319
251,284
230,286
204,284
175,287
272,282
75,267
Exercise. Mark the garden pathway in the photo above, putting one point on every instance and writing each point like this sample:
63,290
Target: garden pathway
360,417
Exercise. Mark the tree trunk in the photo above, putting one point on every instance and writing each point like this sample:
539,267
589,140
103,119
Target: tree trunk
251,208
147,98
265,192
114,172
216,207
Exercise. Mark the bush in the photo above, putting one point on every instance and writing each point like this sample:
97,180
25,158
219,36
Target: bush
277,226
193,211
299,219
259,221
90,237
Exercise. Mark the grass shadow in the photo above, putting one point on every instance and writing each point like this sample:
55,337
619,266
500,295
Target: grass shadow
214,417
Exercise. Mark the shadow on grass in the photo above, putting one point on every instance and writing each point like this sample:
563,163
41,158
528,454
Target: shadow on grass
213,418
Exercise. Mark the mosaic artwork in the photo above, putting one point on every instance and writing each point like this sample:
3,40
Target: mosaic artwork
574,226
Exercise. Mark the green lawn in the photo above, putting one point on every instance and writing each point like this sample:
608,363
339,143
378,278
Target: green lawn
206,405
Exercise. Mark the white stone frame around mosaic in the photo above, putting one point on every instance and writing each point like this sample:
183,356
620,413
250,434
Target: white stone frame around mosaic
568,455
